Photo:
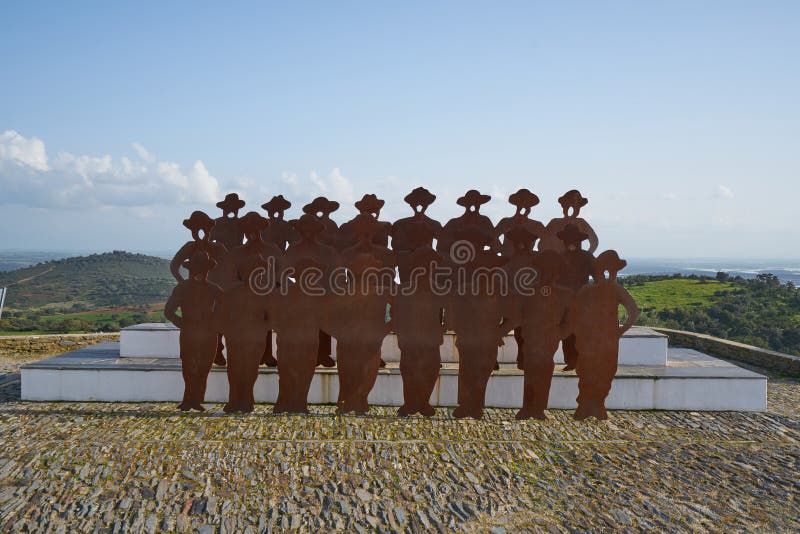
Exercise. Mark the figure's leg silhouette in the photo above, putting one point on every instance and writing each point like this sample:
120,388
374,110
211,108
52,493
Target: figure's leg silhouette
539,368
419,367
268,359
324,352
197,355
520,348
595,374
570,351
475,367
219,358
296,362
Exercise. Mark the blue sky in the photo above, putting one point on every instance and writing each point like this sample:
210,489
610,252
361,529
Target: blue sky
680,121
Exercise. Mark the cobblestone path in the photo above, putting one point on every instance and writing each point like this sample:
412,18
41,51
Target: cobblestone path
102,467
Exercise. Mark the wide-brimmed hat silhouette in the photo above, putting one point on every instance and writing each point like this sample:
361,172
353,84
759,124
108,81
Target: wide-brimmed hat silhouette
232,202
572,199
547,262
609,261
420,197
307,224
252,222
473,198
523,199
199,262
369,203
571,235
199,220
521,236
276,204
321,205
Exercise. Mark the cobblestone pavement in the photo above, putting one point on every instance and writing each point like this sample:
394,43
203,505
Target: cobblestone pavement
103,467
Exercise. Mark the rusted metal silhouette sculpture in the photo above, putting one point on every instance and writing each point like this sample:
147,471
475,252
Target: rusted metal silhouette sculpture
475,311
575,273
540,316
253,227
369,205
523,200
281,278
321,208
280,232
592,317
245,323
223,273
226,230
358,322
199,302
303,313
417,312
571,203
472,217
411,233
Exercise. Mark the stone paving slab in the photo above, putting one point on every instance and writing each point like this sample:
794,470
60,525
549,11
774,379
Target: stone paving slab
102,467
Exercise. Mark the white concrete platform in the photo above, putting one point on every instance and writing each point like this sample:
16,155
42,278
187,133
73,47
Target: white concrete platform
639,346
689,381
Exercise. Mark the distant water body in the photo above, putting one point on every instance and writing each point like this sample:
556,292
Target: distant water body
785,270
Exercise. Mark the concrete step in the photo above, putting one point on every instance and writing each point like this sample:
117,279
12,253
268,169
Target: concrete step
639,346
689,381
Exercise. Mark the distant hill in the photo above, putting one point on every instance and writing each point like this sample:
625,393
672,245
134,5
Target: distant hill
105,280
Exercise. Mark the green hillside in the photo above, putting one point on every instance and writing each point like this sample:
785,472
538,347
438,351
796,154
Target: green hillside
760,311
112,279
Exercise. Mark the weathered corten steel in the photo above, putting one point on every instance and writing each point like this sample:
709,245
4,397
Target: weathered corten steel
308,280
200,304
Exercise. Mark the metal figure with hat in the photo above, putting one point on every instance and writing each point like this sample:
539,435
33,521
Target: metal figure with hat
279,232
223,273
358,322
575,273
416,318
226,230
540,317
593,319
417,231
245,323
523,200
310,229
571,203
472,217
321,208
369,206
252,226
364,228
304,307
475,312
199,302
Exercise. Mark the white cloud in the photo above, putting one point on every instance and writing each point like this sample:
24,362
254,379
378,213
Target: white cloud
22,151
724,192
70,181
335,186
143,153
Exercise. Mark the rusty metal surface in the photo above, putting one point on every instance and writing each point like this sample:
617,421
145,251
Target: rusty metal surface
308,280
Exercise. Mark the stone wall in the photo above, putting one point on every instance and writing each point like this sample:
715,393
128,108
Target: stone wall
768,359
45,345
